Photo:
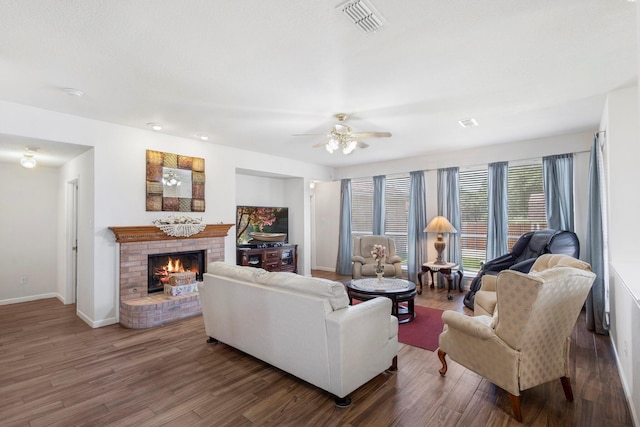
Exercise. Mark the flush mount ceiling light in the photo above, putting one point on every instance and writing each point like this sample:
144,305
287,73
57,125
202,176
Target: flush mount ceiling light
468,123
155,126
202,137
28,159
363,14
171,179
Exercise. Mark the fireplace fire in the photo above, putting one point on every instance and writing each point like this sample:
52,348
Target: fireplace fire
162,265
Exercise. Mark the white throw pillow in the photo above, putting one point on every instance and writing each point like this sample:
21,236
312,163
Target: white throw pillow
333,291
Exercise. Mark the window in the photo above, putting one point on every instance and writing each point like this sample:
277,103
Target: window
526,210
525,193
396,210
397,213
361,207
473,217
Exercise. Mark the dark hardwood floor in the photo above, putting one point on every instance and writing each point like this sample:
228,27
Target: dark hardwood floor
57,371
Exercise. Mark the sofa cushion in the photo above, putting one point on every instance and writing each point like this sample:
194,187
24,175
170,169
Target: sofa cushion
333,291
238,272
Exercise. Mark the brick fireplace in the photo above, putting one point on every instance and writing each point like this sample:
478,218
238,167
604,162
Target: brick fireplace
139,309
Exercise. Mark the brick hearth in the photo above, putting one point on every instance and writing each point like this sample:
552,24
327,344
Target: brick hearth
138,309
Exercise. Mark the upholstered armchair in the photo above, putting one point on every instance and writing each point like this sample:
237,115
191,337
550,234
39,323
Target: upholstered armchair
526,341
363,262
524,253
486,298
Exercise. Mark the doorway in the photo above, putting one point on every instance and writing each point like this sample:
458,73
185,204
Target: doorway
72,242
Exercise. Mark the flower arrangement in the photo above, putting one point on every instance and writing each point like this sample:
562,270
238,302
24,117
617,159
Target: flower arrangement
378,253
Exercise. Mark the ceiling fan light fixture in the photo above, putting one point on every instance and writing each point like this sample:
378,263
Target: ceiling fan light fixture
332,145
349,146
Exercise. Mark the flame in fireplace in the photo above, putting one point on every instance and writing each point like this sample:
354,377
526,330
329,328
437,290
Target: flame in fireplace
175,266
172,266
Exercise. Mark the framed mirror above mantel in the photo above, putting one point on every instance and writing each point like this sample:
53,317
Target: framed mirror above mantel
174,183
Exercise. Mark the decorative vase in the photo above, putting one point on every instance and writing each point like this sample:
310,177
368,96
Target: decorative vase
379,276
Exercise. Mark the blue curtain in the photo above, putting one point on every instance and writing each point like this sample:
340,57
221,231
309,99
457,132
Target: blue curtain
379,184
498,218
449,207
597,305
345,250
417,238
558,191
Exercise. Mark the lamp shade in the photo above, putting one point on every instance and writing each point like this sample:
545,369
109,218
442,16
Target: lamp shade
440,224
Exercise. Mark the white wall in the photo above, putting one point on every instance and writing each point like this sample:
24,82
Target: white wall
118,197
78,170
620,120
326,225
328,195
28,246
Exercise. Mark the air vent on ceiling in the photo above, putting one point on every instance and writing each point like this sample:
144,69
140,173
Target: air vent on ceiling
468,123
363,14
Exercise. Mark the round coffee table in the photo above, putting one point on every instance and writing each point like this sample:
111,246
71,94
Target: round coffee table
397,290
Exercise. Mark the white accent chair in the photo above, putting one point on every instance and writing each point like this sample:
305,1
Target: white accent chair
363,262
526,340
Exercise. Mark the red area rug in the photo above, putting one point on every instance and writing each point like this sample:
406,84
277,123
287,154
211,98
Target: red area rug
423,331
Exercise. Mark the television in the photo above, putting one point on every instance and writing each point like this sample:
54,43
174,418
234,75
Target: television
261,221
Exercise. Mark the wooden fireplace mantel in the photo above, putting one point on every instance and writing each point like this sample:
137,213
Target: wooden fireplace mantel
148,233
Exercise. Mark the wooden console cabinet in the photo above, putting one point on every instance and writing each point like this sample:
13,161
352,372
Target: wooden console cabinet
279,258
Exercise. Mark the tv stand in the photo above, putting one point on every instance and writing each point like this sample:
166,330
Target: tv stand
278,258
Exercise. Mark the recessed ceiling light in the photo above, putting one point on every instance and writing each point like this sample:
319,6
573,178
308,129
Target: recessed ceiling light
468,123
73,92
155,126
202,137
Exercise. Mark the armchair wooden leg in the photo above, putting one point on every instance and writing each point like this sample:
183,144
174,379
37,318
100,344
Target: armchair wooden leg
566,386
441,355
515,407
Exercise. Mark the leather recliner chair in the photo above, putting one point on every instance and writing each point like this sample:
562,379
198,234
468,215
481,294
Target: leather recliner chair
524,253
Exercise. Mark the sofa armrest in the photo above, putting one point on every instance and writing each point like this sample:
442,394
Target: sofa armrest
372,315
358,258
468,325
394,259
488,283
362,340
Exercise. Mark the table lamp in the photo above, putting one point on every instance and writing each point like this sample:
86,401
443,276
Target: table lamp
440,225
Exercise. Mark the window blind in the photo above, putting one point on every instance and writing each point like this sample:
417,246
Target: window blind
525,192
396,210
397,213
473,217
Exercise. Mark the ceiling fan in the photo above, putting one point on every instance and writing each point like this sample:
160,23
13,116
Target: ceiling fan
342,137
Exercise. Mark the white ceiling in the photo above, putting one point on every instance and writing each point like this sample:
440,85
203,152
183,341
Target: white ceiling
252,73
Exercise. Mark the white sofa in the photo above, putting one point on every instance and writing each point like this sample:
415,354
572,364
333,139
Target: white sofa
301,325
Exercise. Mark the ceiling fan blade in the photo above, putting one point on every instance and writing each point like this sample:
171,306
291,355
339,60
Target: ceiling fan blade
320,144
309,134
371,134
362,144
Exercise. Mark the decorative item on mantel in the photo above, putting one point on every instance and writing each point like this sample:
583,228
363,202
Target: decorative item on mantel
180,226
378,253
